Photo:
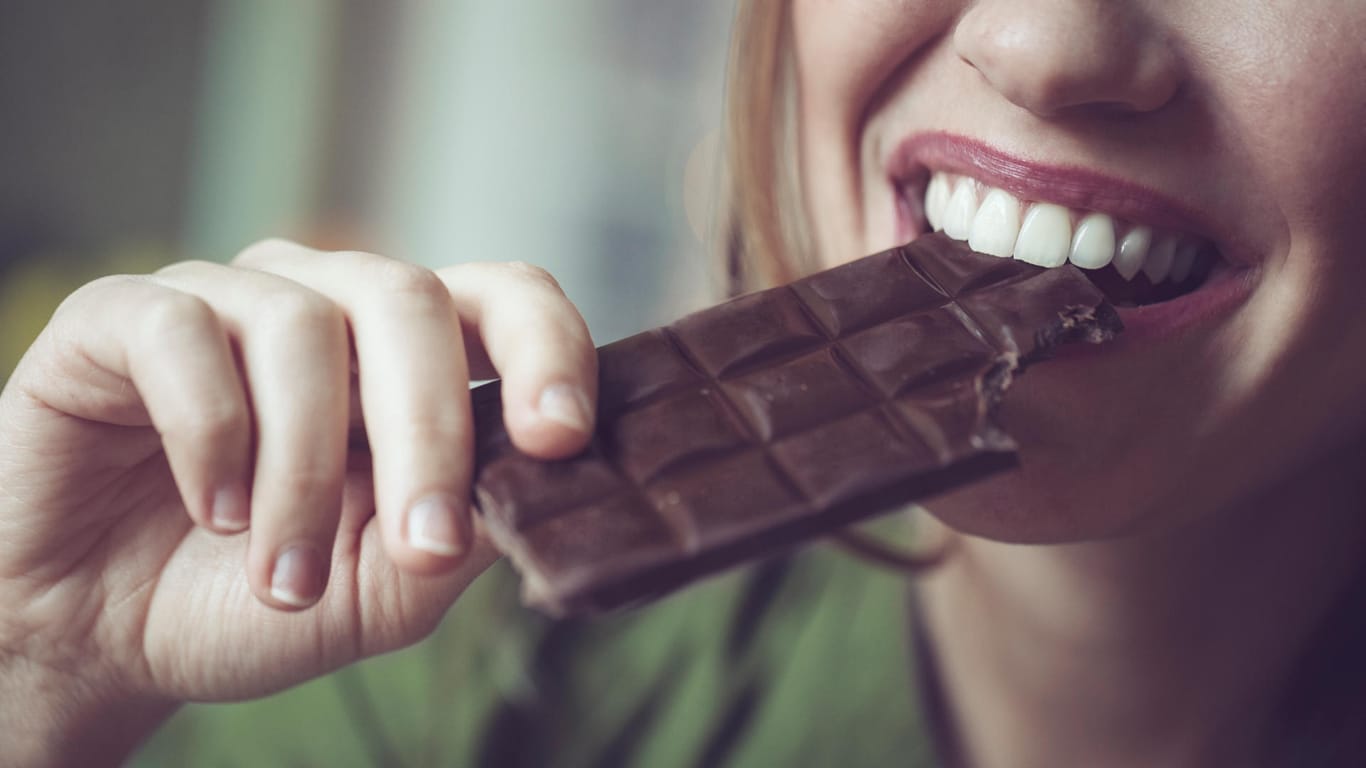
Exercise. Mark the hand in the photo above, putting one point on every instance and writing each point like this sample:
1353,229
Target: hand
180,517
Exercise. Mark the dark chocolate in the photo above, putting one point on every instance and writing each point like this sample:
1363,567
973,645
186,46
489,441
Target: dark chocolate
745,429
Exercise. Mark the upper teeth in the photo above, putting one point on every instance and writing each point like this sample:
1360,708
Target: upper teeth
996,222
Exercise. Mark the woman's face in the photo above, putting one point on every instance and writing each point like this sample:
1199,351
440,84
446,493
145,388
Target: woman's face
1232,130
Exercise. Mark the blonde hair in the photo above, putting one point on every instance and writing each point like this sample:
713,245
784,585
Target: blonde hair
763,229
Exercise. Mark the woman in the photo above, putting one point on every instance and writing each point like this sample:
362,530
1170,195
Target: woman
1164,582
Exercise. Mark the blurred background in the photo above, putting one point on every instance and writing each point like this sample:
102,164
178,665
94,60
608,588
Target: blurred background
558,133
578,136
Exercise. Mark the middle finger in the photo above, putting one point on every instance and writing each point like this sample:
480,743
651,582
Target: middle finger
414,392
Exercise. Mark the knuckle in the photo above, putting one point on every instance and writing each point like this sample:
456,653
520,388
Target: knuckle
441,429
315,488
576,331
94,290
567,332
532,273
265,251
409,280
214,425
172,312
300,309
189,267
69,328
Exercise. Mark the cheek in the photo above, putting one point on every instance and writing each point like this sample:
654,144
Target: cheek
1286,85
844,51
1294,101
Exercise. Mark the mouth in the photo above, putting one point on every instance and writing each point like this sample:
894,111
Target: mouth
1140,250
1134,264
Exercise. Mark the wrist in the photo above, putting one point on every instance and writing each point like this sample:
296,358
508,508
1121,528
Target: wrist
51,717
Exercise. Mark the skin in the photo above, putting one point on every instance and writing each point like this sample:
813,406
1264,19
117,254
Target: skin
116,438
225,389
1191,485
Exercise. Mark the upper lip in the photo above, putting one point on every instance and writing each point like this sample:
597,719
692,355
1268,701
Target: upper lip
915,158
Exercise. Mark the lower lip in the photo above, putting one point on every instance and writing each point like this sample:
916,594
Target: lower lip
1224,291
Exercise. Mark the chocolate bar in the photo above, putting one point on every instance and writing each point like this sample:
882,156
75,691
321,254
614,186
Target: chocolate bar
745,429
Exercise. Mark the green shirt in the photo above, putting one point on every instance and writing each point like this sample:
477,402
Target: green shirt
804,661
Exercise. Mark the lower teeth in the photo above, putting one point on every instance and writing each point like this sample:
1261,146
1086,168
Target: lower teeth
1141,291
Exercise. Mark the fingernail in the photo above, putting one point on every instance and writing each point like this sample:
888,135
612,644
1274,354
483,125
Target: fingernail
298,578
230,513
568,405
432,527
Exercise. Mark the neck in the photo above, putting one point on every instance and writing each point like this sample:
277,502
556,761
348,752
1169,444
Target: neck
1166,649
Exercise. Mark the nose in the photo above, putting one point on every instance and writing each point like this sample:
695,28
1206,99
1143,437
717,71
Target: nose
1055,56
